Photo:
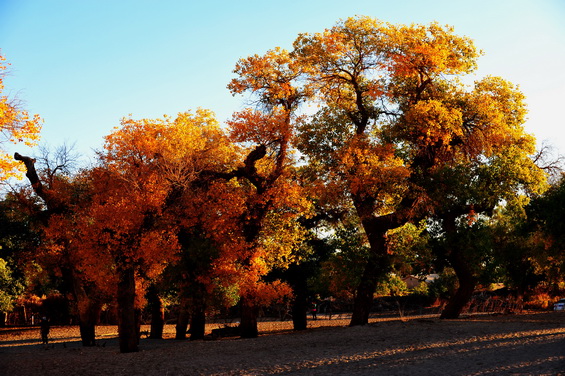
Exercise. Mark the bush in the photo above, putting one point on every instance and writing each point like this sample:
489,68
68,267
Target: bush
540,301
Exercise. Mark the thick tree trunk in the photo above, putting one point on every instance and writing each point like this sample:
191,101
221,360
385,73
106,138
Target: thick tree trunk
248,324
378,265
467,283
198,312
197,323
87,333
463,270
364,297
127,316
88,306
89,314
300,307
183,317
157,313
157,321
379,262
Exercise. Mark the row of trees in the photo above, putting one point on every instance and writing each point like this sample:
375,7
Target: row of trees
361,152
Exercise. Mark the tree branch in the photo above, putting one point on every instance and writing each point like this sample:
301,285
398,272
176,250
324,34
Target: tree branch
32,176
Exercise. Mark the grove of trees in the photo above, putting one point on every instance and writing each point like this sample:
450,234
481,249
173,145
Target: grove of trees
360,156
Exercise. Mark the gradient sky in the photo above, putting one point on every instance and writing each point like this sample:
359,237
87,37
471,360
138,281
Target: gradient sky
82,65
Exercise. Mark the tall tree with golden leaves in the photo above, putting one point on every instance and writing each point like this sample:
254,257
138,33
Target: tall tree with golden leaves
393,116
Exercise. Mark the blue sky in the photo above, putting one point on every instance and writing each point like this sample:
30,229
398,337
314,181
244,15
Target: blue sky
82,65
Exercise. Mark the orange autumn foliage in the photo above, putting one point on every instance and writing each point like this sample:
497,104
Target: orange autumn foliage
274,198
16,126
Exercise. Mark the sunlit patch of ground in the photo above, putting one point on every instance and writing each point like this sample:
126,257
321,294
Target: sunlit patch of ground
529,344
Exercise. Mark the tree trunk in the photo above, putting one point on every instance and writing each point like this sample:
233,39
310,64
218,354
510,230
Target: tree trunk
127,318
364,297
463,270
182,317
198,312
157,322
89,313
87,334
248,324
137,323
88,306
467,283
458,301
157,313
197,323
300,305
378,265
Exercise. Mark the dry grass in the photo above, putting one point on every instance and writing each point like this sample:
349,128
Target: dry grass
528,344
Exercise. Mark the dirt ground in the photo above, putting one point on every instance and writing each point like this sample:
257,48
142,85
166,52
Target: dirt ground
525,344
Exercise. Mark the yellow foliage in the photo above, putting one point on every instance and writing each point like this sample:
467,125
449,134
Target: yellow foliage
431,122
16,125
373,169
426,51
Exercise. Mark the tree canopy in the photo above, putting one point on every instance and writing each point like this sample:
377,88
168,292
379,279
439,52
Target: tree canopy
360,156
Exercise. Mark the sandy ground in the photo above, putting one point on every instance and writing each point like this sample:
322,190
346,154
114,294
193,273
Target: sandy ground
526,344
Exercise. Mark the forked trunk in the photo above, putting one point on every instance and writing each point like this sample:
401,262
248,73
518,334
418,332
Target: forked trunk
127,315
379,263
248,325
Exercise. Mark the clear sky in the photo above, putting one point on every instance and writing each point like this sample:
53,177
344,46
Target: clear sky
82,65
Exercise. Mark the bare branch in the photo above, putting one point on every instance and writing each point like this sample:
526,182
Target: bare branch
548,160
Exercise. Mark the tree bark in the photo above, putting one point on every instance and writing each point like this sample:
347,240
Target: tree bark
183,314
198,312
378,265
127,320
157,313
248,324
300,304
364,297
182,318
467,283
463,270
89,313
197,323
88,305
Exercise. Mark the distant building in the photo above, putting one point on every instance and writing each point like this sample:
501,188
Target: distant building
411,281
